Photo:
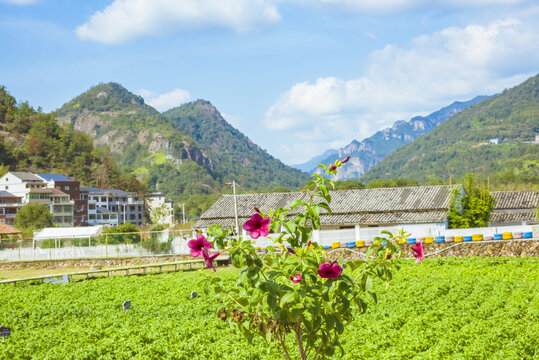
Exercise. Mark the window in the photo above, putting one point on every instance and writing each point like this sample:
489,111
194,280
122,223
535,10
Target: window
132,217
103,199
140,208
66,187
91,216
7,187
131,208
1,211
140,216
91,206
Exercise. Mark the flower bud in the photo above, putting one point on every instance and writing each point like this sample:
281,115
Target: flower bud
346,159
332,167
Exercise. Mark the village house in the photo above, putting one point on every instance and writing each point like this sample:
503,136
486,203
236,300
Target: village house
420,209
114,207
515,208
157,201
9,206
72,188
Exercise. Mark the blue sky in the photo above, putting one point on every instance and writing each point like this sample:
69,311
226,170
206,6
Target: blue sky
296,76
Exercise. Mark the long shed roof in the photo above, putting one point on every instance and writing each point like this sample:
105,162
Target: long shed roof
418,204
516,200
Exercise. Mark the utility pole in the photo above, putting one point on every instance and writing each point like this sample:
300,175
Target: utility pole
183,212
235,206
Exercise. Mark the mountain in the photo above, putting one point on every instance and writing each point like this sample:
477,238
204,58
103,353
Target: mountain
309,166
462,143
136,133
31,140
368,152
233,155
190,150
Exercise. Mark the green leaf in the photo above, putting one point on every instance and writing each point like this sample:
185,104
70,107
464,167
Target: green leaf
288,297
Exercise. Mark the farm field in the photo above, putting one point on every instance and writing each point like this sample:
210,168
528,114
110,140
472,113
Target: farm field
439,309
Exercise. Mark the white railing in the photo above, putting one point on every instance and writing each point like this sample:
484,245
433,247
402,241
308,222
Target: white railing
95,248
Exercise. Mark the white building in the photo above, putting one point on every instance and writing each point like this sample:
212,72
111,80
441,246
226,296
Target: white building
29,186
161,211
61,208
114,207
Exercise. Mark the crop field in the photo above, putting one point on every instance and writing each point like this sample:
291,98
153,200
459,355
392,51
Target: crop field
438,309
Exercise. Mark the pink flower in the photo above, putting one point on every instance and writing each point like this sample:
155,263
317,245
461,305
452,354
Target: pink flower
418,251
198,245
332,167
208,259
291,250
346,159
296,279
388,256
329,271
257,226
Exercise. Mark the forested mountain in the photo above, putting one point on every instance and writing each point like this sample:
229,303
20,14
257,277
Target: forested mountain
31,140
136,133
233,155
368,152
462,143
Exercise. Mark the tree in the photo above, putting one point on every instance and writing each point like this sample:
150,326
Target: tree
33,216
473,209
160,214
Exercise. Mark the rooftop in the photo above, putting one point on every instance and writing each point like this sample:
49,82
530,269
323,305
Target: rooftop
516,199
114,192
54,177
26,176
4,193
417,204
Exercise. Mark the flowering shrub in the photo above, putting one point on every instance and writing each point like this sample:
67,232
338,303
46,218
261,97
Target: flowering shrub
294,295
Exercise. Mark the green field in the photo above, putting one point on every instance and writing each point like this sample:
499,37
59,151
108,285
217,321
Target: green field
438,309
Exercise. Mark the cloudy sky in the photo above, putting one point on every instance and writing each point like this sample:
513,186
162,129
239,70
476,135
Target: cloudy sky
296,76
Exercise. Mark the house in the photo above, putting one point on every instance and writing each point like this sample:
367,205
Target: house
515,208
72,188
29,186
424,208
62,208
494,141
9,206
161,211
114,207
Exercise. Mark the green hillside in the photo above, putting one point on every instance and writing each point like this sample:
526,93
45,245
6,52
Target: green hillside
31,140
233,155
461,144
134,131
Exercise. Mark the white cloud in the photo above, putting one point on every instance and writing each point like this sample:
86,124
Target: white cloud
125,20
163,102
456,63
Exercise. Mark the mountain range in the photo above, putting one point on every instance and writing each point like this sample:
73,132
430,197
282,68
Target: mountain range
368,152
190,149
496,138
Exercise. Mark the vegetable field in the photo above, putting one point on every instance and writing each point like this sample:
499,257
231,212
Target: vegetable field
438,309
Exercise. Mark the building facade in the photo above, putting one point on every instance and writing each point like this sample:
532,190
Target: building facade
126,207
161,211
72,188
62,208
9,206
